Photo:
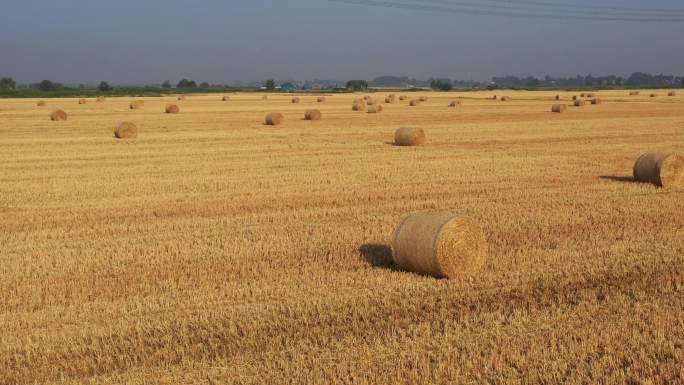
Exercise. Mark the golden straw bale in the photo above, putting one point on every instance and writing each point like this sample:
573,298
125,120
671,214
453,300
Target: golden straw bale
274,118
313,115
414,102
558,108
665,170
442,244
126,130
172,109
136,104
359,105
578,103
596,101
375,109
58,115
82,101
455,103
409,136
295,100
320,99
40,103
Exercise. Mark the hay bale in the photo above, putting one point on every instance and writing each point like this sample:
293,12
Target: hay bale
320,99
596,101
495,97
375,109
583,95
265,97
414,103
455,103
558,108
136,104
366,97
40,103
181,97
126,130
172,109
574,97
225,98
274,118
58,115
408,136
665,170
100,99
295,100
82,101
590,95
359,105
390,99
371,102
634,93
423,99
442,244
402,97
671,93
313,115
504,98
653,95
578,103
558,97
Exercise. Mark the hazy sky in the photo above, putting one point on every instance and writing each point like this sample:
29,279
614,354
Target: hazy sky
147,41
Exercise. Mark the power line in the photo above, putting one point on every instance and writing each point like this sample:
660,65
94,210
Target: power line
474,10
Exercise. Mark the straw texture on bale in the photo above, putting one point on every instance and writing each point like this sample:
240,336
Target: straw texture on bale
558,97
375,109
274,118
414,103
126,130
390,98
172,109
671,93
313,115
359,105
578,103
574,97
596,101
58,115
634,93
442,244
504,98
653,95
295,99
665,170
409,136
455,103
423,99
558,108
136,105
225,98
321,99
82,101
40,103
371,102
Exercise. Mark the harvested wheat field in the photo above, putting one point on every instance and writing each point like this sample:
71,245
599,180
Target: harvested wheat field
214,249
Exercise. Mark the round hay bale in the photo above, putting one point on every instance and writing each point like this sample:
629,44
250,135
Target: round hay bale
366,97
558,97
414,103
172,109
320,99
455,103
558,108
402,97
136,104
225,98
442,244
391,98
578,103
653,95
574,97
408,136
313,115
596,101
40,103
371,102
634,93
274,118
671,93
590,95
375,109
583,95
359,105
181,97
126,130
295,100
58,115
82,101
265,97
504,98
495,97
665,170
423,99
100,99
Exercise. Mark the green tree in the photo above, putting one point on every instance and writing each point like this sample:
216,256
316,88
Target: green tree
186,83
441,84
166,84
7,84
357,85
104,87
47,86
270,84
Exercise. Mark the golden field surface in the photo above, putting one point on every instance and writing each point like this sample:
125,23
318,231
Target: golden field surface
214,249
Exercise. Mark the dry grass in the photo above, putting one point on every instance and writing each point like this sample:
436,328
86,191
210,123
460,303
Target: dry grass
214,250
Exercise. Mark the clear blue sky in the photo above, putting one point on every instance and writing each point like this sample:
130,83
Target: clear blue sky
131,42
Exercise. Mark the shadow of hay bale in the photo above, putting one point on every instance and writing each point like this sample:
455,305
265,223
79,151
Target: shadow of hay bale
378,255
623,179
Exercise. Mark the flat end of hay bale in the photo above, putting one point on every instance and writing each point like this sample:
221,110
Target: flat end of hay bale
558,108
172,109
409,136
126,130
313,115
664,170
58,115
274,118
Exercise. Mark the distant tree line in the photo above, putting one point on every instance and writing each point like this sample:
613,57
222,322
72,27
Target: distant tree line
637,79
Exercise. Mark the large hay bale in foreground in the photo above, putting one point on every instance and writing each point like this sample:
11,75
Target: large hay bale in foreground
414,103
442,244
375,109
320,99
359,105
82,101
578,103
274,118
295,100
58,115
172,109
40,103
313,115
665,170
596,101
409,136
558,108
455,103
126,130
136,104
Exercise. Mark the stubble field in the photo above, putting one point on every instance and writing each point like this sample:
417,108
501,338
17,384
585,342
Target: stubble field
214,249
